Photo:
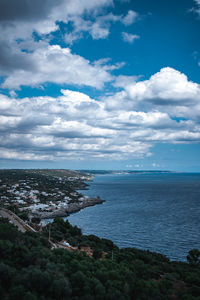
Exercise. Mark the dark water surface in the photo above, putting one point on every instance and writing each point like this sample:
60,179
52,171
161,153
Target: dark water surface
159,211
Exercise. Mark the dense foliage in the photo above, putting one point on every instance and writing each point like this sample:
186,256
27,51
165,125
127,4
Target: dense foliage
30,269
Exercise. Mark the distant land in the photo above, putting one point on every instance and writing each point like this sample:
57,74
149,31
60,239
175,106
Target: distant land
101,172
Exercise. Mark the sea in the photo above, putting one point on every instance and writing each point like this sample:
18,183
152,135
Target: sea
154,211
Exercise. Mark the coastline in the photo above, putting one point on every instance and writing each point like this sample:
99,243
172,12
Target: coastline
45,193
69,209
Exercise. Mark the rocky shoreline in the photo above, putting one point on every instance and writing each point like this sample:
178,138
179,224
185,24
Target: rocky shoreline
69,209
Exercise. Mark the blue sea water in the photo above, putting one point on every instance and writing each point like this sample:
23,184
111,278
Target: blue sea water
155,211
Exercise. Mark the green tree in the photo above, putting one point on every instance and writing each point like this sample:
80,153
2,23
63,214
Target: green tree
193,257
97,253
60,289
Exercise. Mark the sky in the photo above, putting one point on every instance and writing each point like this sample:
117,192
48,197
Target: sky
101,84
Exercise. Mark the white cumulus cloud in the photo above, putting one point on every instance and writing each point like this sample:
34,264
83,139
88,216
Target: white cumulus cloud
130,38
124,125
130,17
167,91
57,65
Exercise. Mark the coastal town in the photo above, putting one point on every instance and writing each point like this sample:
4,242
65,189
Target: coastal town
44,193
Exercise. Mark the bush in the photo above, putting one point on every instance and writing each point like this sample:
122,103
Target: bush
193,257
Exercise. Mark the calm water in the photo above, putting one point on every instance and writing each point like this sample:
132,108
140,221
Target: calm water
159,212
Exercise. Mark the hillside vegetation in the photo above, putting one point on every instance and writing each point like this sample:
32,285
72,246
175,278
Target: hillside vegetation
30,269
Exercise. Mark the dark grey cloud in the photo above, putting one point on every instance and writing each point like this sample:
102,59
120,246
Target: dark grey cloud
170,101
13,59
30,123
26,10
76,134
19,19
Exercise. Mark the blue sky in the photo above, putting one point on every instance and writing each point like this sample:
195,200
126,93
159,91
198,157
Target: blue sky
100,84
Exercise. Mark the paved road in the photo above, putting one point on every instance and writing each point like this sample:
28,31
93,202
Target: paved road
23,227
14,219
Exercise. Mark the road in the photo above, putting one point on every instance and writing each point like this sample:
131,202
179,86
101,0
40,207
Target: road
15,220
21,225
